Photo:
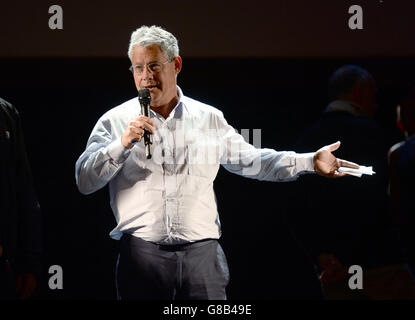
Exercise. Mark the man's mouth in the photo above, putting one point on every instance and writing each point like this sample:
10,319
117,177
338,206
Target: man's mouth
150,87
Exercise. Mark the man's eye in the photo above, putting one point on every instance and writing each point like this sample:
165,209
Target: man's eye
154,67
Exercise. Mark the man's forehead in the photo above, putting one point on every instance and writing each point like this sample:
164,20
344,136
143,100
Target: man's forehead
140,52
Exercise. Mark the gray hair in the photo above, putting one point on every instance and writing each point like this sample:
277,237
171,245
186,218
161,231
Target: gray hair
147,36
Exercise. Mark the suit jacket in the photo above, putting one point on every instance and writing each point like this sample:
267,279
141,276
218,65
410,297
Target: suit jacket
348,217
20,219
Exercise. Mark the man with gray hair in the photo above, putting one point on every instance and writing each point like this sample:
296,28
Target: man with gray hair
165,207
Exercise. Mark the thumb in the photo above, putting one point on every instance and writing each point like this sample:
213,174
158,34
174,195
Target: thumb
334,146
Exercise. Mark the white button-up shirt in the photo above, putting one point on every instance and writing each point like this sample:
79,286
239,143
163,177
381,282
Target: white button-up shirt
169,198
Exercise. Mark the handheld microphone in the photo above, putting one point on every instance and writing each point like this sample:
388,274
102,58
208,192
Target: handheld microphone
144,98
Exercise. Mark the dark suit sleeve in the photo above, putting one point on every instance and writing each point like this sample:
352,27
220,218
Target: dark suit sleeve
29,238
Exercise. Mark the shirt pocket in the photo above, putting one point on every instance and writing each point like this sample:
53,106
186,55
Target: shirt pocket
201,162
135,168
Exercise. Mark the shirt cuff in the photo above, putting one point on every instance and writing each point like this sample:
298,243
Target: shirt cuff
305,162
117,152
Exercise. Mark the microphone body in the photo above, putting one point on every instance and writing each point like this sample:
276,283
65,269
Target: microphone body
144,98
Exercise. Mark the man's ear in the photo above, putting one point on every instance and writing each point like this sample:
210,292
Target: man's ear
400,126
178,64
399,122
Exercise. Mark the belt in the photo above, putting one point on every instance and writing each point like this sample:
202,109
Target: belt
167,247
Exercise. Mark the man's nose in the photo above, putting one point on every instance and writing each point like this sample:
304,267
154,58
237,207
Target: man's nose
147,74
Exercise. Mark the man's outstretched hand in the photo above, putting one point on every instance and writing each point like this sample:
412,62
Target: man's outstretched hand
326,164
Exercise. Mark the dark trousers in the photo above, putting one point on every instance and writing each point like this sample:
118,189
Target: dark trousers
147,271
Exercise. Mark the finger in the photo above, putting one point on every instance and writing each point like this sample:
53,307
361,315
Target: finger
338,174
347,164
149,127
143,125
141,117
131,136
136,132
333,147
146,119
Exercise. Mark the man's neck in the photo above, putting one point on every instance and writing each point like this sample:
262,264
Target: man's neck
346,106
165,110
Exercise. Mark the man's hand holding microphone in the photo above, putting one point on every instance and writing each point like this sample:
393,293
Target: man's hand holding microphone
135,131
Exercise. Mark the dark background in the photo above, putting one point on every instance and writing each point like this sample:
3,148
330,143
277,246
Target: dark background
265,66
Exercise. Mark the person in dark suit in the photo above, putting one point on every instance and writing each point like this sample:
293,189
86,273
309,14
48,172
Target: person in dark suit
402,173
360,231
20,218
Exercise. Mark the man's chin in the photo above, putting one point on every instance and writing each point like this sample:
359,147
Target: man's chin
155,97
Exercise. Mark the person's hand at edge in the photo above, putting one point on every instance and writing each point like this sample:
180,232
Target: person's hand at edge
25,285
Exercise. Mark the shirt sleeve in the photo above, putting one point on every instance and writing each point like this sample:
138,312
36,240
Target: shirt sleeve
242,158
103,158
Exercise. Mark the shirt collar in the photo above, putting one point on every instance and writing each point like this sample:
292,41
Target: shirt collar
178,109
345,106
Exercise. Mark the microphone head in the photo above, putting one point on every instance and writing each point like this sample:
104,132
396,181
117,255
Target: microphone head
144,95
